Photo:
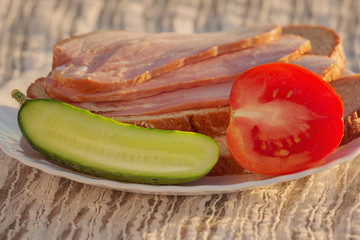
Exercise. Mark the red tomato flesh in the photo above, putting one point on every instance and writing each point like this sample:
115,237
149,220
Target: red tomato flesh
283,119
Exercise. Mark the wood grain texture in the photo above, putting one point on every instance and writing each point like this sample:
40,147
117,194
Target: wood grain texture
36,205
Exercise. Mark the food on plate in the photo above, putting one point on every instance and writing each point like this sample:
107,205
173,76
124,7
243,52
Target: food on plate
349,88
197,97
108,60
201,106
283,119
223,68
92,144
324,41
324,66
194,98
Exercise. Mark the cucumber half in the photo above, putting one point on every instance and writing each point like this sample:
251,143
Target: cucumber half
89,143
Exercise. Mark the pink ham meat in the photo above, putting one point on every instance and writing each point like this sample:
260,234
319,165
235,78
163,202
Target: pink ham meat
214,95
327,66
225,67
108,60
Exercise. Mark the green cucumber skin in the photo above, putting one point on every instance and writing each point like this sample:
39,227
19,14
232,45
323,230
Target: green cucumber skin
114,175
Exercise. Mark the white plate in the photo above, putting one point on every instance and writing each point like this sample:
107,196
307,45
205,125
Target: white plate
14,145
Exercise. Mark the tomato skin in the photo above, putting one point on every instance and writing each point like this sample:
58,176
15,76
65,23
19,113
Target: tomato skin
283,119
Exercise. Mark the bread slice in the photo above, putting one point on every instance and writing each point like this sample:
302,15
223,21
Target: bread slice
351,127
324,41
346,87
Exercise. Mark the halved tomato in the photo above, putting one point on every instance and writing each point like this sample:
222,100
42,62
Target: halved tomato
283,119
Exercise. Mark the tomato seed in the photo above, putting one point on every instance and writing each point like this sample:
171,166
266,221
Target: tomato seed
289,142
278,143
275,93
289,93
297,139
281,153
263,146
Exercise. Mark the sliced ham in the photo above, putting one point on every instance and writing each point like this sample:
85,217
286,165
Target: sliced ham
315,63
109,60
347,73
325,65
214,95
225,67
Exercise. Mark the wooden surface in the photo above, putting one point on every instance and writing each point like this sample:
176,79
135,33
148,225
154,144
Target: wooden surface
36,205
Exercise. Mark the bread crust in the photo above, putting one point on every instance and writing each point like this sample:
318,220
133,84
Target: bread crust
325,41
346,87
351,127
209,121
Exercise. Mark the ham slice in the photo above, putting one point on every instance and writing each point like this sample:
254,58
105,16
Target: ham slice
214,95
109,60
326,67
225,67
208,96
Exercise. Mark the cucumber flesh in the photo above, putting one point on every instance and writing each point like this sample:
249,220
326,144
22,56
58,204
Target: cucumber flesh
103,147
